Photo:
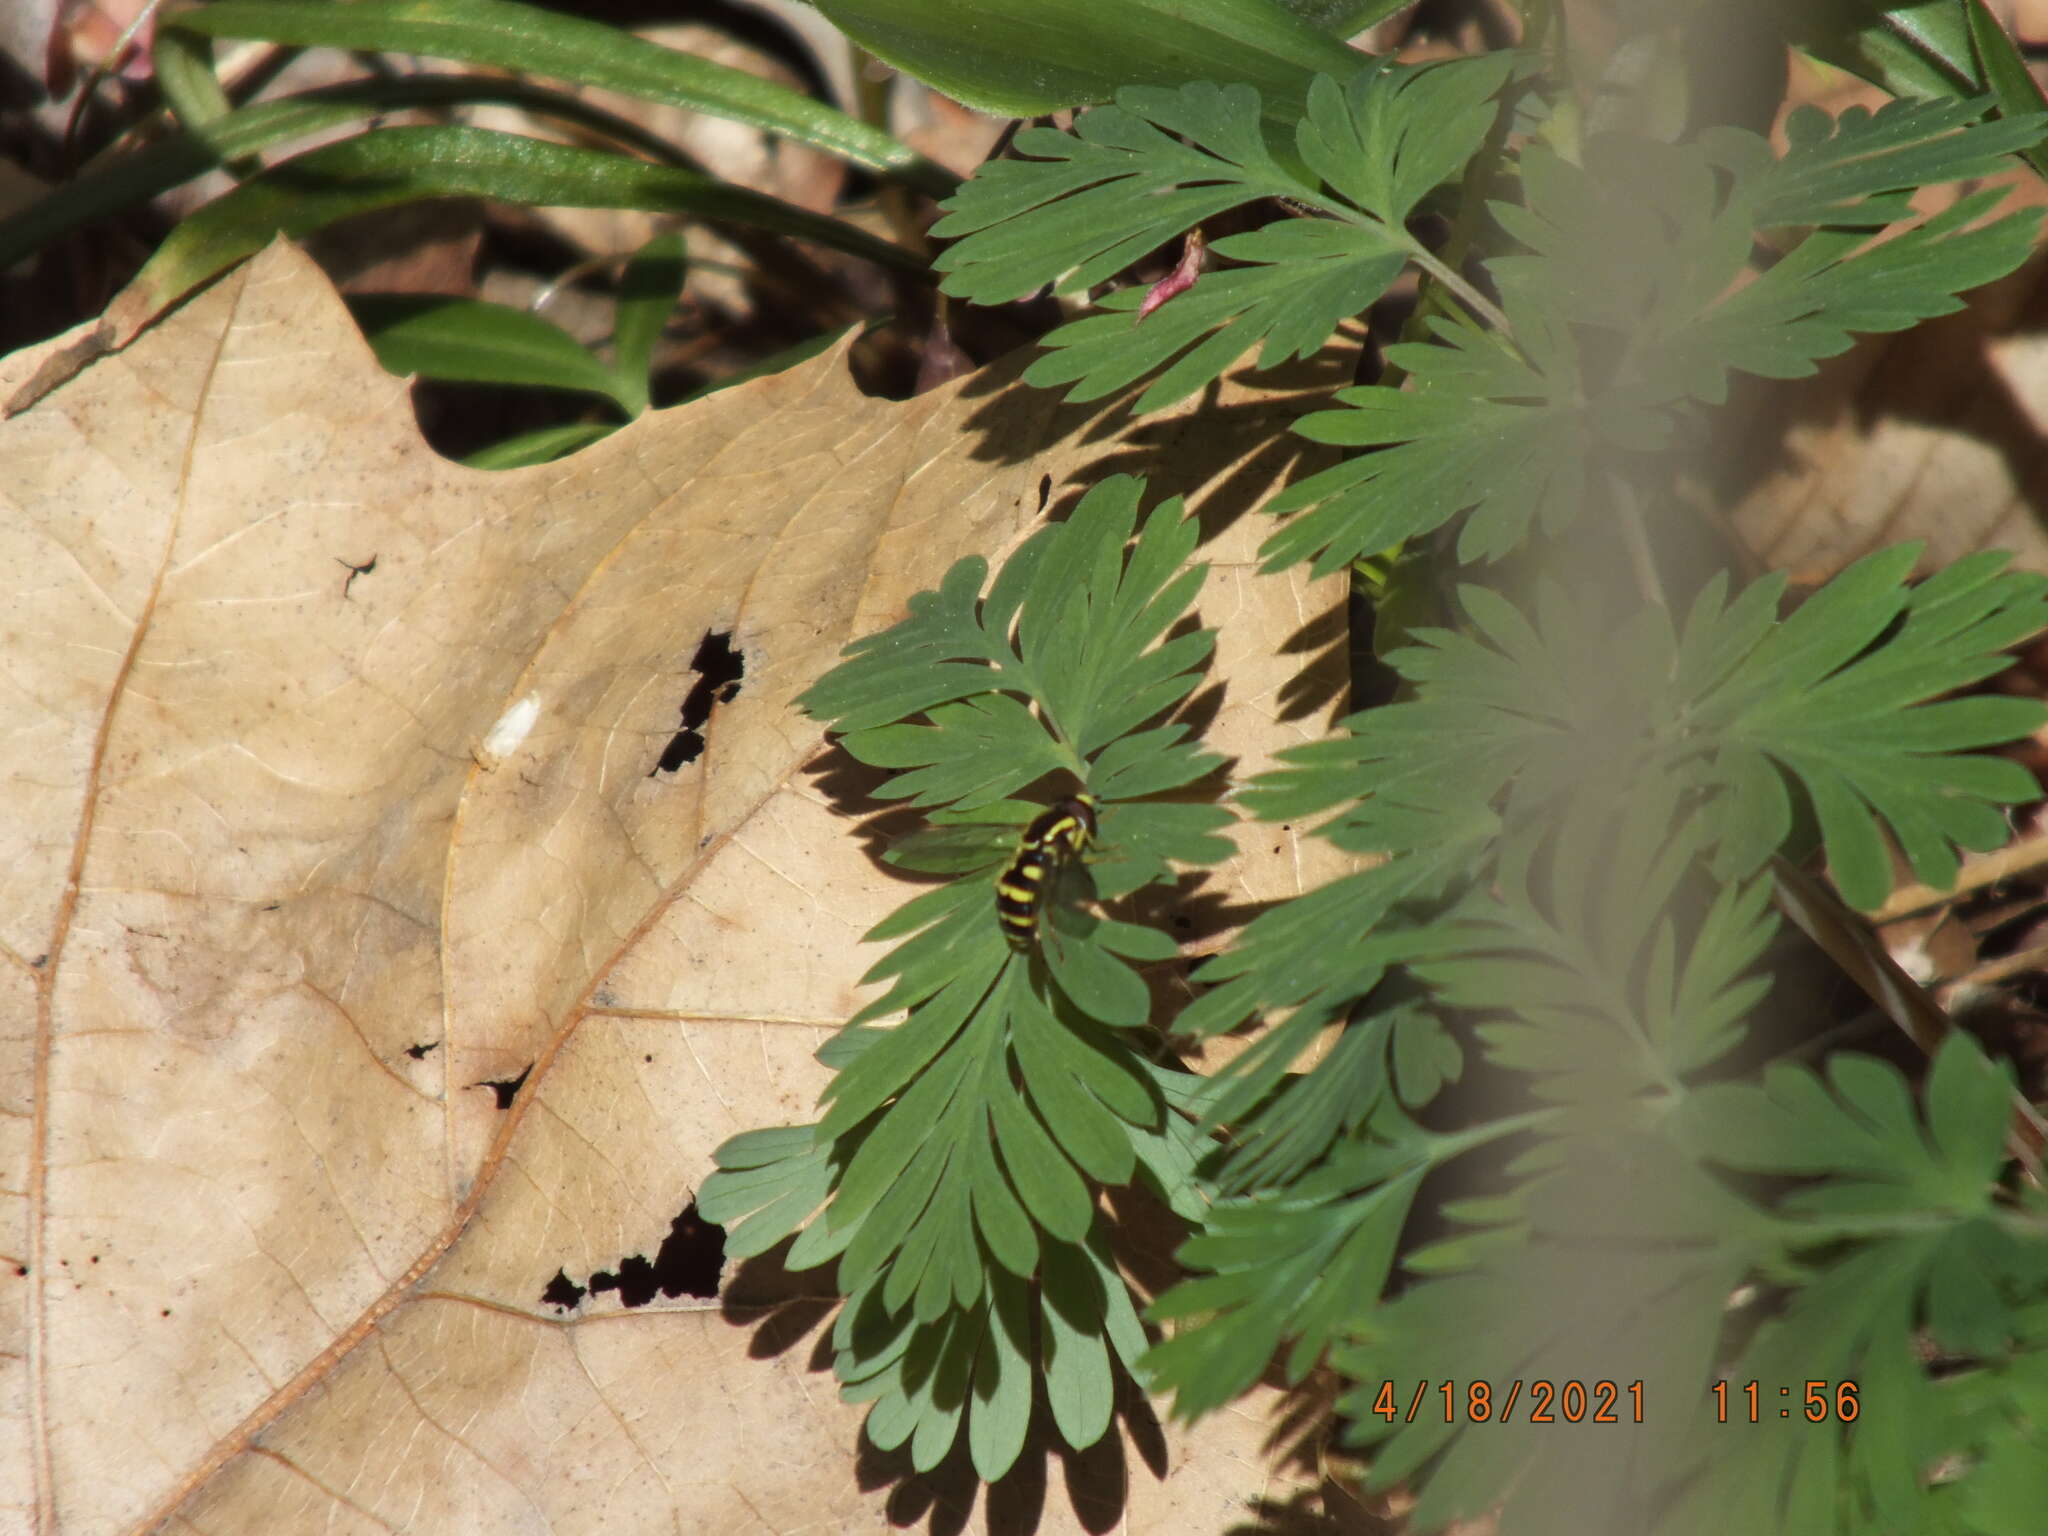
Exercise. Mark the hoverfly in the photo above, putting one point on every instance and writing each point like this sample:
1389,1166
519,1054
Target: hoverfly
1055,836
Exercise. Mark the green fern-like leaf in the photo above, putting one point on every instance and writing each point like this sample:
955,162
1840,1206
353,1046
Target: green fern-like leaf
976,1366
1069,626
1299,280
1551,797
1860,169
1287,1264
1284,958
1479,426
1591,966
954,1173
1629,303
1080,207
1604,1275
1836,285
1839,697
1845,697
1135,175
1932,1244
1861,1129
1300,1121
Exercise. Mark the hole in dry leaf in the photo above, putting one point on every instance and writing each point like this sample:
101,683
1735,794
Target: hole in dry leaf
1044,491
633,1280
507,1089
354,570
686,1264
419,1052
719,669
563,1292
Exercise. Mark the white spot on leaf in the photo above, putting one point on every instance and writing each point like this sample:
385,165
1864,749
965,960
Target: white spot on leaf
512,728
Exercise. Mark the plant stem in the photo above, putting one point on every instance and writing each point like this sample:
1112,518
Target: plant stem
1468,295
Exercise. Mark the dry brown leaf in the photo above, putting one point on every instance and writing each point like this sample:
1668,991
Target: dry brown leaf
333,815
1935,434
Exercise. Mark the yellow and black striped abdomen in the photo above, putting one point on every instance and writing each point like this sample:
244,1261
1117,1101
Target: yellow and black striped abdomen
1055,836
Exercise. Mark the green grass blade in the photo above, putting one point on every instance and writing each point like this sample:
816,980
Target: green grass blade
542,446
1344,18
2005,71
113,183
535,41
475,342
392,166
1028,57
648,291
184,72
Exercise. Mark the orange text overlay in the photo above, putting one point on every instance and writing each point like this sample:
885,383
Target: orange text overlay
1537,1402
1754,1402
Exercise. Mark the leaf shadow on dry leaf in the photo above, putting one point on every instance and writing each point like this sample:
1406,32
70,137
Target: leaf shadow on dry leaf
1235,453
1936,433
1330,1510
1088,1488
364,971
